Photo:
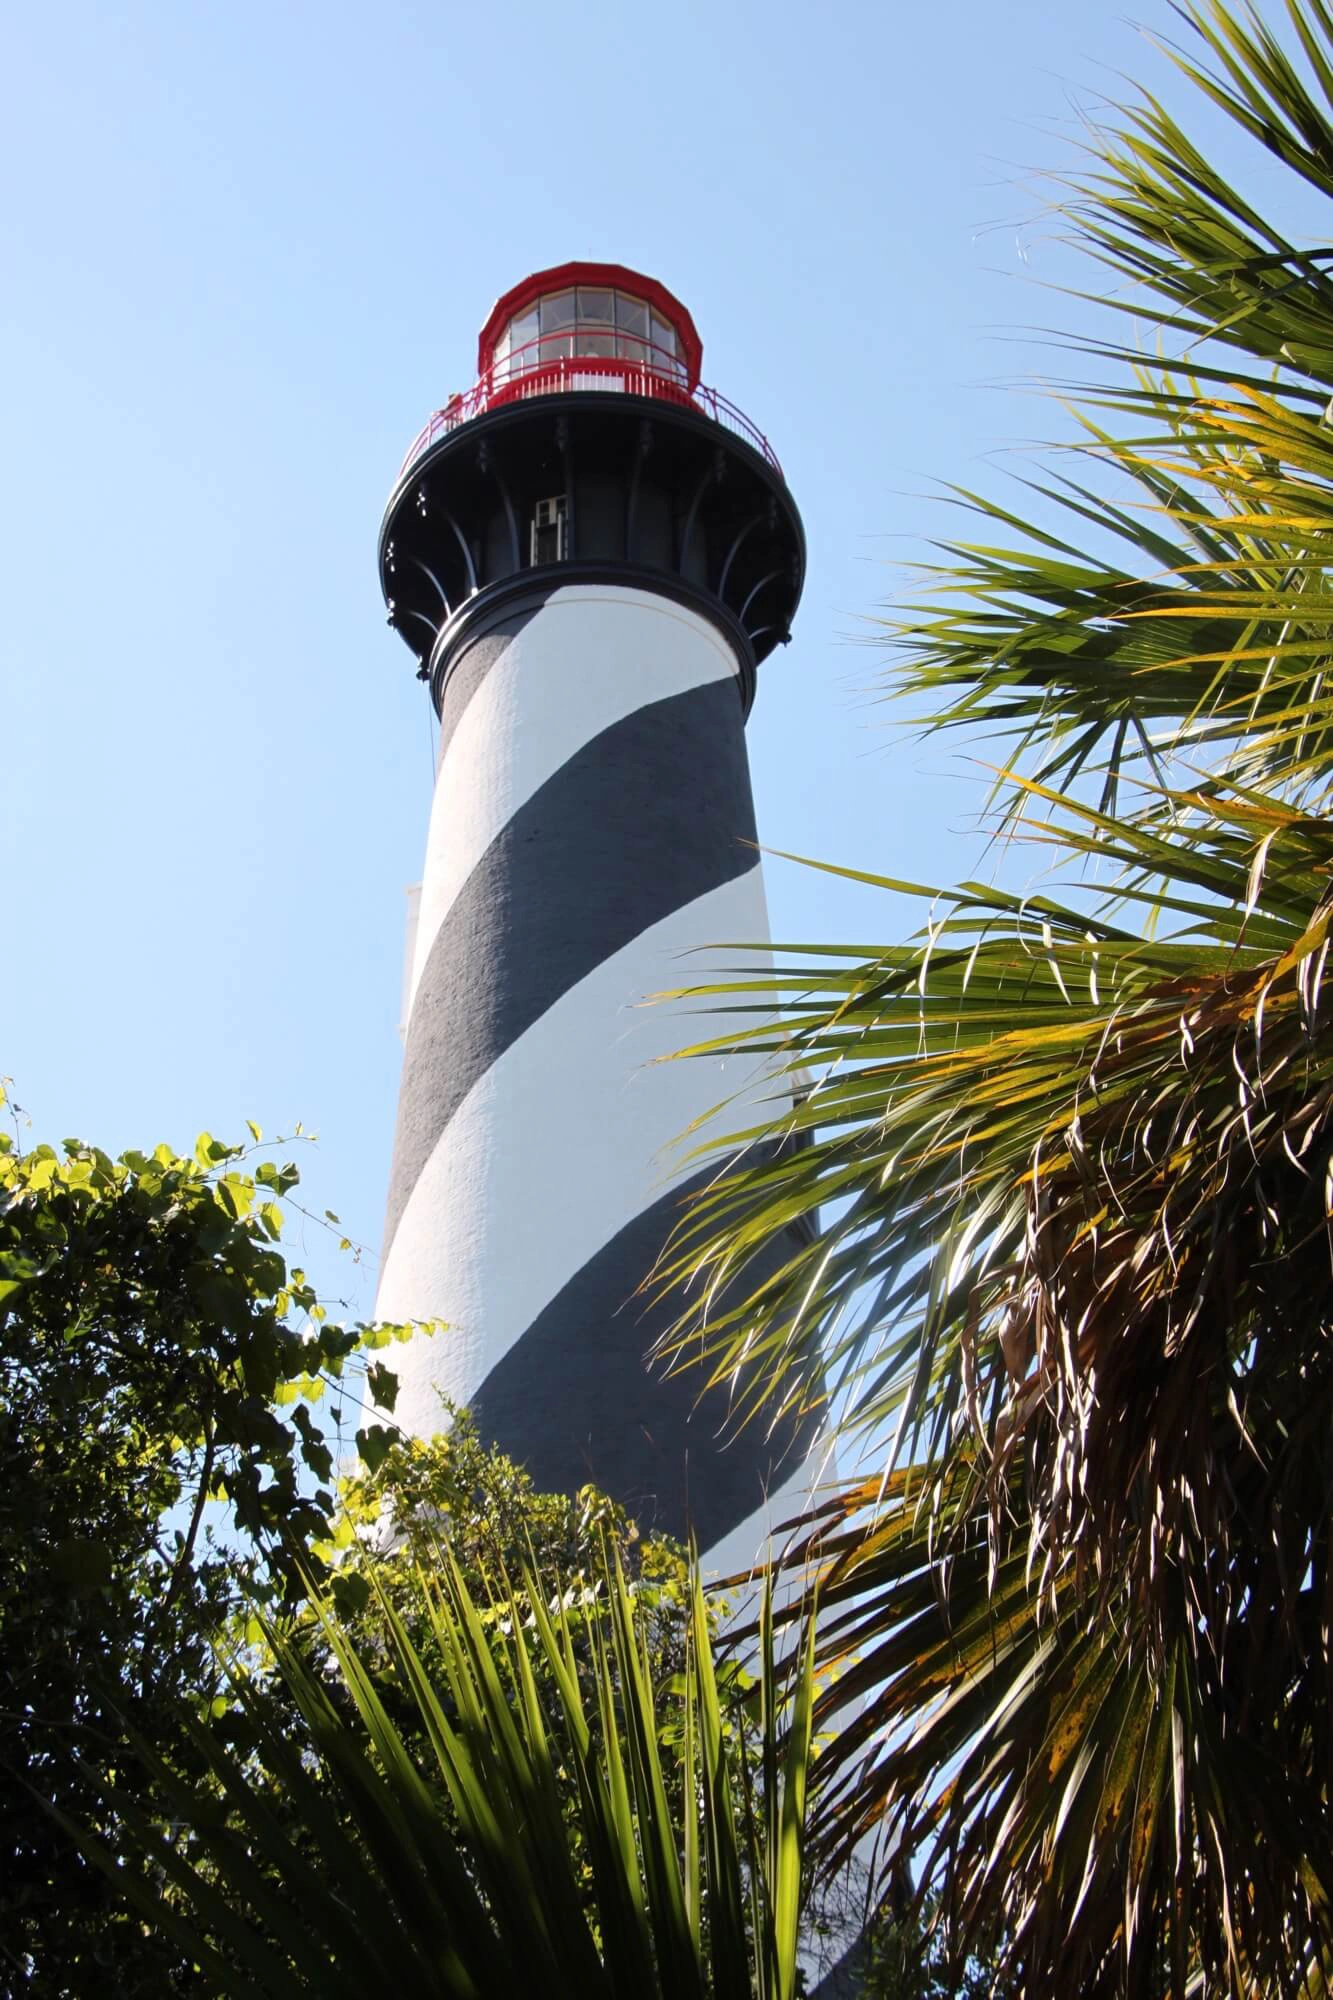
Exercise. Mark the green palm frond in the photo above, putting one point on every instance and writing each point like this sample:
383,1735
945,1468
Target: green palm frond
1180,591
459,1880
1194,619
1153,209
1025,1068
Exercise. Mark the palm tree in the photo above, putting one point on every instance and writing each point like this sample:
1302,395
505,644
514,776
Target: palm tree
1073,1150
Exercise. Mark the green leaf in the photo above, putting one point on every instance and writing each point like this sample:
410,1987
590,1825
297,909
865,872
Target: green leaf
372,1442
383,1384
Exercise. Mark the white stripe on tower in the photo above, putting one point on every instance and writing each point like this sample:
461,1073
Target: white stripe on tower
592,826
592,1072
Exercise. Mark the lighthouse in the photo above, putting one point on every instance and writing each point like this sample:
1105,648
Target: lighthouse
589,555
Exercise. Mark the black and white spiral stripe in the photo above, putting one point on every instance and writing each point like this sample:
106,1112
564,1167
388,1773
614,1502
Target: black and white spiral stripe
592,829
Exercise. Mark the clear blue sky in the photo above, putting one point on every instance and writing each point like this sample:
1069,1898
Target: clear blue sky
246,250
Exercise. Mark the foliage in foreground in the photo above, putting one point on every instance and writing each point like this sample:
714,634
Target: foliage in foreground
453,1875
1074,1148
152,1344
451,1503
157,1362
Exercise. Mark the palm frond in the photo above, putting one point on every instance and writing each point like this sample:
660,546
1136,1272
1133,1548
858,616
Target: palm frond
1112,1809
1073,1163
1072,1151
1024,1066
460,1880
1207,637
1157,211
1179,595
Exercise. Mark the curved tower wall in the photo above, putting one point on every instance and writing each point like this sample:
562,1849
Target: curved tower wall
592,829
589,555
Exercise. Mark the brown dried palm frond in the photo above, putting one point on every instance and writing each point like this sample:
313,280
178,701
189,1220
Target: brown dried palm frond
1120,1818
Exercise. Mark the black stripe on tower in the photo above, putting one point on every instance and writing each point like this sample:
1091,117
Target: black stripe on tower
466,662
646,817
576,1401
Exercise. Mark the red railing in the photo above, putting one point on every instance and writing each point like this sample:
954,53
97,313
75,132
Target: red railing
530,371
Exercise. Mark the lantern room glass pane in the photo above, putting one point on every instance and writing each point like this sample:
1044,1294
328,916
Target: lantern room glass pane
557,311
596,308
631,316
601,324
664,341
522,333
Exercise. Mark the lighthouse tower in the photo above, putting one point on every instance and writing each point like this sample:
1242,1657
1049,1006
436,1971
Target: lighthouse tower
588,554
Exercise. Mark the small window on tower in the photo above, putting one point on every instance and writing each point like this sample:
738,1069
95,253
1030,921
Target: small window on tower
547,544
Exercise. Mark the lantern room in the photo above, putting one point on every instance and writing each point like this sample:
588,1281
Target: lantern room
589,450
617,323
